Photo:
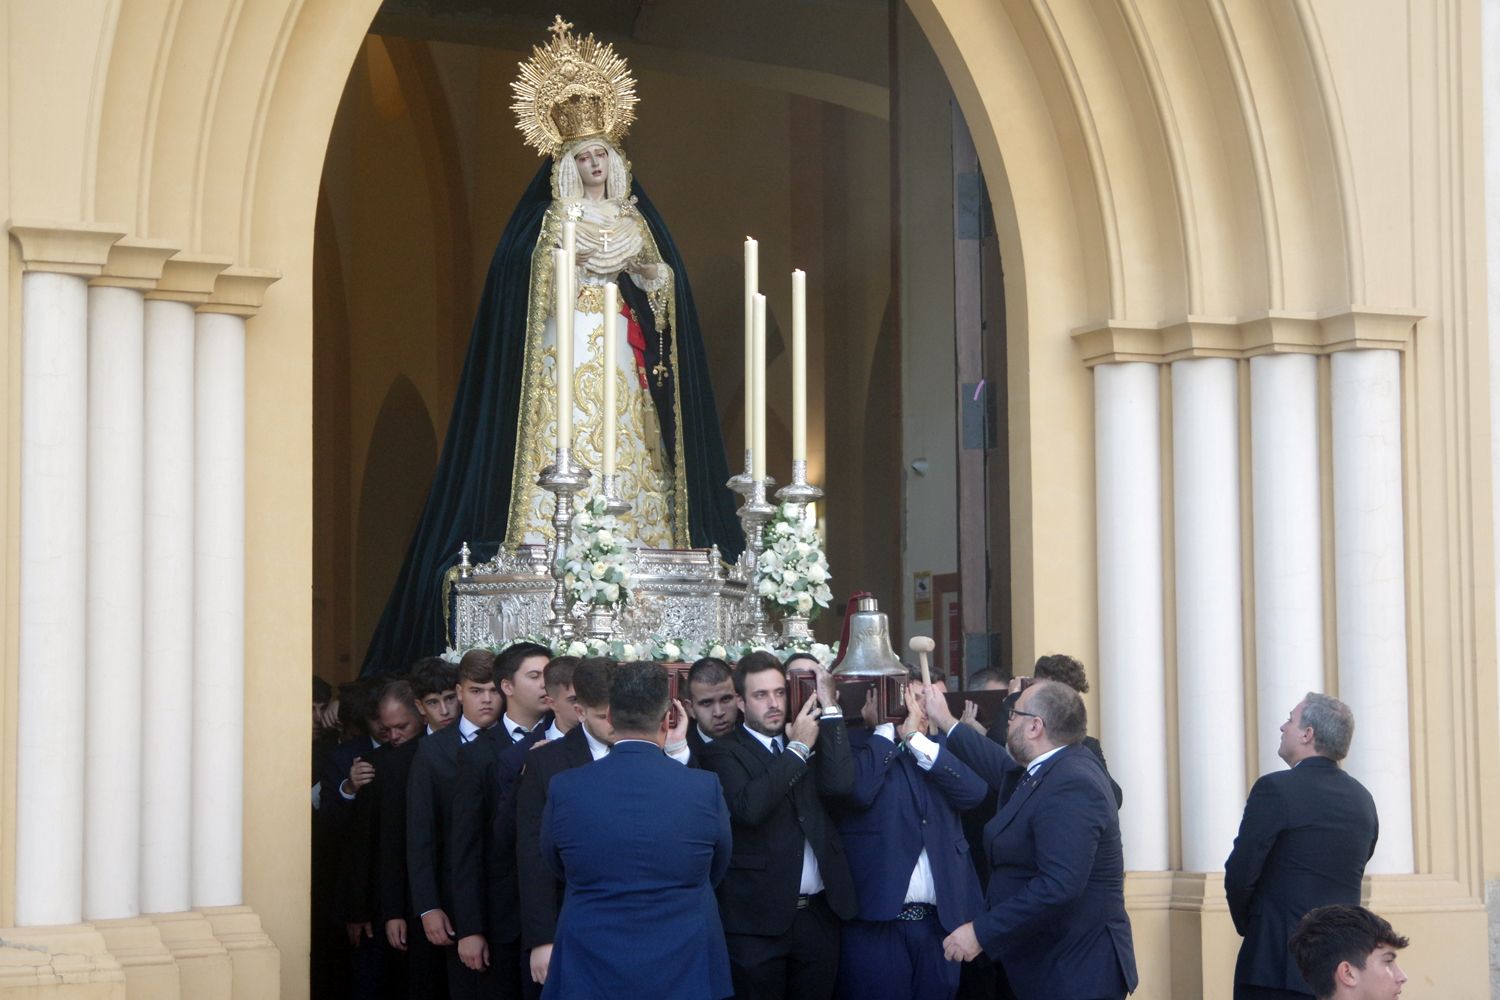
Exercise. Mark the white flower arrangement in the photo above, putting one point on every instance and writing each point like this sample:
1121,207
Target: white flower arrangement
792,571
595,563
658,648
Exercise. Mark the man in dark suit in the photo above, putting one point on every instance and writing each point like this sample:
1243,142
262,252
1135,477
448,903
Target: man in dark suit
435,684
640,841
1304,840
481,853
788,884
429,809
540,892
1054,913
910,860
711,703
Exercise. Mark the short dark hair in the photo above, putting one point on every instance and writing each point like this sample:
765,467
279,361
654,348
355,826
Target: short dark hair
431,676
989,675
754,663
559,673
638,696
1330,935
397,689
800,654
591,681
1060,707
477,667
511,658
1064,669
357,706
709,670
322,690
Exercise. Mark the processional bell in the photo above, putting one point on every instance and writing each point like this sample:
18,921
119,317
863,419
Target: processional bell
868,651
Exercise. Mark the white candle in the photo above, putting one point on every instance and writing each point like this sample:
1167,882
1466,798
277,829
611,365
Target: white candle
799,366
570,246
564,304
758,368
611,314
752,285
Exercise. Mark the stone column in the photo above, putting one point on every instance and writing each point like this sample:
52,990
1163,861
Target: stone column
1210,652
1286,511
218,610
1132,656
53,555
116,485
166,829
1370,585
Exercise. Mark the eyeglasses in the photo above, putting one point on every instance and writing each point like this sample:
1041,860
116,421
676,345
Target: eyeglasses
1016,711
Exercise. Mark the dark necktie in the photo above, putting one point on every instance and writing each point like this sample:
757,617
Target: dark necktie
775,746
520,734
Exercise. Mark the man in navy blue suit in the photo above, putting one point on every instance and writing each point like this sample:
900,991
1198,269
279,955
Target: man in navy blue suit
640,841
1054,912
903,835
1305,838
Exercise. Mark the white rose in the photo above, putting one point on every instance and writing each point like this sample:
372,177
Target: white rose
611,592
577,648
803,548
717,651
598,570
822,651
804,603
816,573
671,650
603,537
767,587
627,651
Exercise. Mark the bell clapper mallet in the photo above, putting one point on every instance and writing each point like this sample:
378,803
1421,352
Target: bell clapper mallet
922,645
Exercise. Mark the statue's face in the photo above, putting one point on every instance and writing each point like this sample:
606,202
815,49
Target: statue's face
593,167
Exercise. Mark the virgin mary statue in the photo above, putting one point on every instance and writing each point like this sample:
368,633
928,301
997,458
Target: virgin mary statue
574,100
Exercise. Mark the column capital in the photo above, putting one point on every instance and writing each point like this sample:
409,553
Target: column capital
136,263
188,278
64,247
1279,332
240,291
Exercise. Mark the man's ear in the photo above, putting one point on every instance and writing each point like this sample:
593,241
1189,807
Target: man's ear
1346,975
507,688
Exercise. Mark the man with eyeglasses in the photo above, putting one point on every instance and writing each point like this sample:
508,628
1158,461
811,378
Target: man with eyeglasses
1054,914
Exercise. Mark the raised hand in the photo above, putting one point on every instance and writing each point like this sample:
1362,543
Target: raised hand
916,715
804,728
870,711
970,717
935,702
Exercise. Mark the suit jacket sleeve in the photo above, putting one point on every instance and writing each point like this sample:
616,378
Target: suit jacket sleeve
752,799
989,760
833,763
360,862
954,780
547,845
391,805
1070,818
872,762
539,900
724,841
1098,751
1264,820
465,854
421,837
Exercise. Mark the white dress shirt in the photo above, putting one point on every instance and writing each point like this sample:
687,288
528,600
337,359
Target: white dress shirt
511,725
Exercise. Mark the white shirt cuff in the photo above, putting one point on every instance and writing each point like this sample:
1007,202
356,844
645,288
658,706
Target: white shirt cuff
923,750
886,730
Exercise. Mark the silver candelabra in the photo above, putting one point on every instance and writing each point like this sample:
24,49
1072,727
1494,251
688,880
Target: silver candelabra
754,513
563,480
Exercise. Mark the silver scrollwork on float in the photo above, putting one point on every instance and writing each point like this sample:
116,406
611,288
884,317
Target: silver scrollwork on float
682,593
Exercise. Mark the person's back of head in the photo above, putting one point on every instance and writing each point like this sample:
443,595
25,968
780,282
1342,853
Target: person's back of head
1064,669
357,707
1349,953
988,679
639,696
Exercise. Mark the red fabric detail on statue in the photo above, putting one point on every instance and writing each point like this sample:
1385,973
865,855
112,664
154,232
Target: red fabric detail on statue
637,339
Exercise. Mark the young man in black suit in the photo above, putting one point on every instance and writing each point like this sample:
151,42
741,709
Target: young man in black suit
429,805
481,850
711,702
1304,840
788,885
1348,953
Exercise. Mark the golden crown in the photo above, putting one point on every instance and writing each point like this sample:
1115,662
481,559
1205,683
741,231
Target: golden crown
572,88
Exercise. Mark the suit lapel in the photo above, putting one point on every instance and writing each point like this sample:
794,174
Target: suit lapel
1023,794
